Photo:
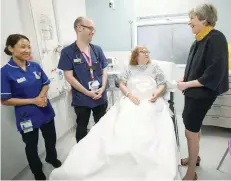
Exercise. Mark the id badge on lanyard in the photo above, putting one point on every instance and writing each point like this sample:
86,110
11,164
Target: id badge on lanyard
94,84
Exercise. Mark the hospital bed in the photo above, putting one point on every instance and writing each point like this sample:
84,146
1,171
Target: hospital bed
169,70
113,87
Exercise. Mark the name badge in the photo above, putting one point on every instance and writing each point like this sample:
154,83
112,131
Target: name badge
26,126
21,80
77,60
93,85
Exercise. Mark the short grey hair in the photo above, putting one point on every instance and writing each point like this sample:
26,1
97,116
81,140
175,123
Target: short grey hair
78,21
205,12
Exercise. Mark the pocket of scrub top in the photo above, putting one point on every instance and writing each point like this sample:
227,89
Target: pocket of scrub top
80,67
28,112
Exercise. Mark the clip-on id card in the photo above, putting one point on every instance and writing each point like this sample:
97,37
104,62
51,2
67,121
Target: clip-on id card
93,85
26,126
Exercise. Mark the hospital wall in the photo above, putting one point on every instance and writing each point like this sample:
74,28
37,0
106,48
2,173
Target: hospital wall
13,158
112,26
66,11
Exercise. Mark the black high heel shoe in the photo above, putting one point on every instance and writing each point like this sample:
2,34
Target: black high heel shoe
184,162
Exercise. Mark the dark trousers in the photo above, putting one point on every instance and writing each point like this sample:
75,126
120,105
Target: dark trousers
31,141
83,115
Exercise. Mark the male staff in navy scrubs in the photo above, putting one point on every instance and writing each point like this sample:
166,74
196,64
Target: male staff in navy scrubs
84,68
24,85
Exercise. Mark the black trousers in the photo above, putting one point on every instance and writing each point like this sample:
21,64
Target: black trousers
31,141
83,115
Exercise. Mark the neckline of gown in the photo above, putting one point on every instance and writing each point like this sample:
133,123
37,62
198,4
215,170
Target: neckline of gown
142,67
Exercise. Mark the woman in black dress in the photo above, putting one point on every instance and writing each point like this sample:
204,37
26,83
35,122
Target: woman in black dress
205,77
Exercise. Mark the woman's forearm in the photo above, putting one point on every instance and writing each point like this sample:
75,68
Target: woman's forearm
43,92
74,82
17,102
124,88
160,90
194,83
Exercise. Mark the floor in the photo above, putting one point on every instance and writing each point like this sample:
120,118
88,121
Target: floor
213,145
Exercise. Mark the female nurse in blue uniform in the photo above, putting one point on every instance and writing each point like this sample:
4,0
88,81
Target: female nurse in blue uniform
25,85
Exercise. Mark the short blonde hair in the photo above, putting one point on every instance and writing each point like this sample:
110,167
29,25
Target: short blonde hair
205,12
135,54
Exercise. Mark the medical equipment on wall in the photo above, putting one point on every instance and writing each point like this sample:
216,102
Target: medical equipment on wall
58,85
113,90
56,55
113,74
111,62
112,4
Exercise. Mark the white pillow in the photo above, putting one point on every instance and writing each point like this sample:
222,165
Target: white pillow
168,68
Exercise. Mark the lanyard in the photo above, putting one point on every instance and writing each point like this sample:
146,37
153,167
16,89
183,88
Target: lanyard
89,63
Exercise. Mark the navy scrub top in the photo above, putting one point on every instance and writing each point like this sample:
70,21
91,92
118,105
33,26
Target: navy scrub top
67,61
17,83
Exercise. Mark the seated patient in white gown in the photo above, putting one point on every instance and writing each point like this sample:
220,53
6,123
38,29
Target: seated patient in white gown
135,140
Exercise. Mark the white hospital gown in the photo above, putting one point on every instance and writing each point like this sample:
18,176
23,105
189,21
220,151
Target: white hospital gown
154,71
131,142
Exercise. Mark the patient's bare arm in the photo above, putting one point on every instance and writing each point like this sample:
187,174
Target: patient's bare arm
128,94
160,90
124,88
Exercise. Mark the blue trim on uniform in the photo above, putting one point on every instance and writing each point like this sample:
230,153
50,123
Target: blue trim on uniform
46,82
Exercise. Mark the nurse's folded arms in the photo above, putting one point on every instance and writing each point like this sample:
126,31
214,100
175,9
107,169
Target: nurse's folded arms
24,85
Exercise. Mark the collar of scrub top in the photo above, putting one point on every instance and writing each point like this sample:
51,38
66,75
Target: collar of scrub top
76,49
11,63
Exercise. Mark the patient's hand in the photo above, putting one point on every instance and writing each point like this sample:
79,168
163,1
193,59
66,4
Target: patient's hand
134,99
154,98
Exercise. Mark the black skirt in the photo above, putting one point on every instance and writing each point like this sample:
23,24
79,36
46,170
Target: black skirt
195,111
